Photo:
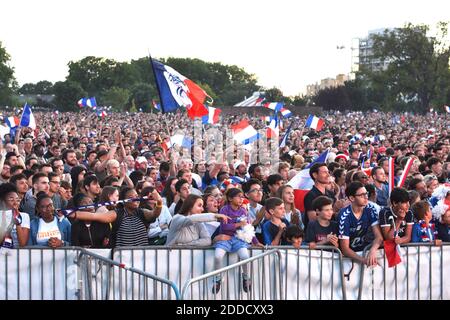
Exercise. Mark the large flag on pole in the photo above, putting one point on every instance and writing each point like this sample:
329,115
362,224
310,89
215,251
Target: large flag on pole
27,119
302,182
175,91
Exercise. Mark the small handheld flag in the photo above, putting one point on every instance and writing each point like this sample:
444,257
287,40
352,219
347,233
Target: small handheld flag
27,119
314,122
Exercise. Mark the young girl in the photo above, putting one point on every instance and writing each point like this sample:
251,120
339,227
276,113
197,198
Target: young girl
293,215
231,235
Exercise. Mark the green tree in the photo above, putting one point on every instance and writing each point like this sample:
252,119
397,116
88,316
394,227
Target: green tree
7,80
67,94
141,96
116,97
274,95
418,68
27,88
44,87
299,100
93,74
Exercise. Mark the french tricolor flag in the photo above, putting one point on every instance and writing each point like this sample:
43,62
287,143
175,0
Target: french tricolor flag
266,119
286,112
276,106
175,91
314,122
212,117
302,182
408,166
12,122
87,102
101,113
244,133
27,119
273,129
156,105
181,140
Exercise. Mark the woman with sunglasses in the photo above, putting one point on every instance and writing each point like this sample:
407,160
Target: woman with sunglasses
47,229
9,200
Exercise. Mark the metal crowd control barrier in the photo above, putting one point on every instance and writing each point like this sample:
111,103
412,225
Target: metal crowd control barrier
39,273
324,276
74,273
260,271
98,273
307,274
409,279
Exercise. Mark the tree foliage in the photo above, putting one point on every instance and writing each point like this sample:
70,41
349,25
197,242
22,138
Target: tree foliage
67,93
418,71
7,80
116,97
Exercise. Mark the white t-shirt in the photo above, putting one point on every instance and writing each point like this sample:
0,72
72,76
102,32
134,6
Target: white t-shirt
47,231
25,224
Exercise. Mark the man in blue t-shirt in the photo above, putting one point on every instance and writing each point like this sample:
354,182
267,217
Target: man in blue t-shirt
358,223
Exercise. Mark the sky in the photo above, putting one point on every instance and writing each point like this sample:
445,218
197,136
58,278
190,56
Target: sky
287,44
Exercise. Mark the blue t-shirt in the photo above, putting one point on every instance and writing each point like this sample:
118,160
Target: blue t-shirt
357,231
270,231
382,195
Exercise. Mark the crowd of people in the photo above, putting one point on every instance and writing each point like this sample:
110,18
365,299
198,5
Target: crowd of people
73,160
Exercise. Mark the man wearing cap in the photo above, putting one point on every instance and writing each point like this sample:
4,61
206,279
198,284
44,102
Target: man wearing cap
240,172
141,164
341,158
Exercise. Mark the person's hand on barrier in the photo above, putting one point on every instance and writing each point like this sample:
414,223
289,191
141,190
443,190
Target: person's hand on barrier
55,243
312,245
333,239
398,240
259,245
438,242
371,260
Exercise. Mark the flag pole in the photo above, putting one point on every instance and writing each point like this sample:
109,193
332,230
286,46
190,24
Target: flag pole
156,82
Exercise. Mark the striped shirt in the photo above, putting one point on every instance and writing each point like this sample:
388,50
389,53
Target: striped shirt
132,232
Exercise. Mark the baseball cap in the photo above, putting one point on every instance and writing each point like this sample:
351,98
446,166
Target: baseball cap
237,164
141,159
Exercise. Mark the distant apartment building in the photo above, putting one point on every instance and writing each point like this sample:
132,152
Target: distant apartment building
366,57
340,79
